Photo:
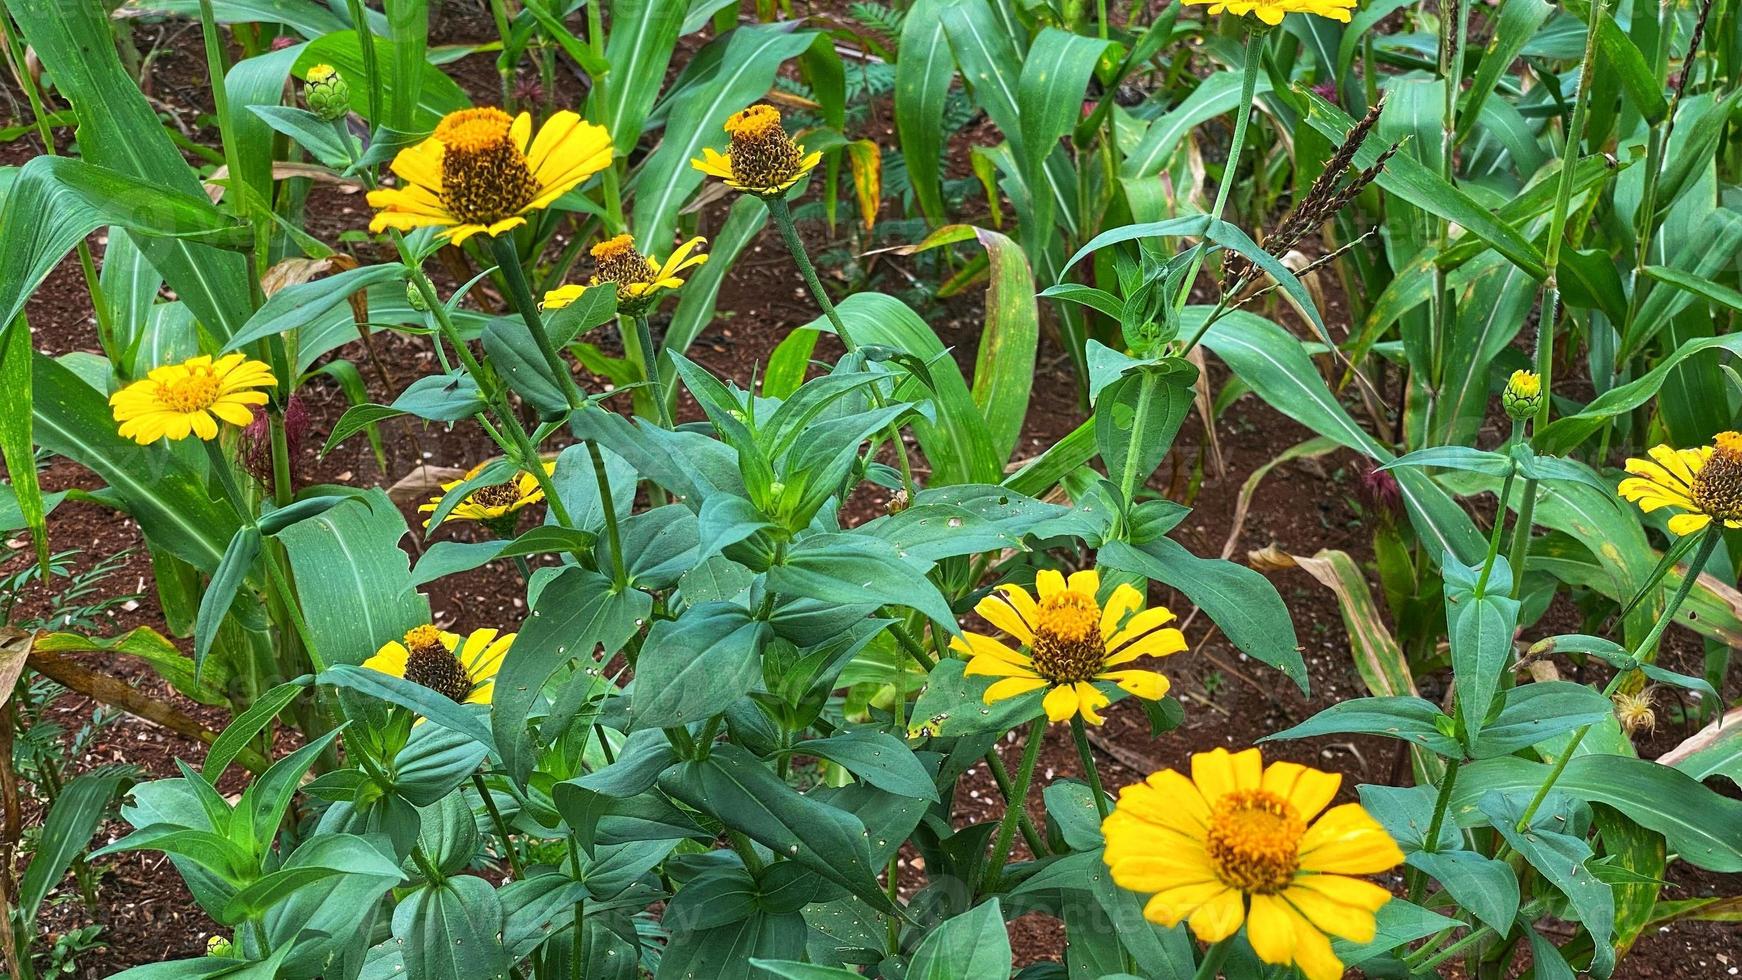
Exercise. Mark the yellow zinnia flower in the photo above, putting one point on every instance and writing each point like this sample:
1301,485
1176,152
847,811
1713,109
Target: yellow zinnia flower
1070,643
482,171
760,159
1271,12
489,505
636,276
1706,482
461,669
176,400
1238,832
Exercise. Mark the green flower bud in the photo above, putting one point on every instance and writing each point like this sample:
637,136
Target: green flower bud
414,297
1523,394
327,93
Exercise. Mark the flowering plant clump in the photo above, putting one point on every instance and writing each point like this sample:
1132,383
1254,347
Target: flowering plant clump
853,431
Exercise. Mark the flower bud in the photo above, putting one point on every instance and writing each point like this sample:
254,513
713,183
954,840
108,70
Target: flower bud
327,93
1523,394
414,296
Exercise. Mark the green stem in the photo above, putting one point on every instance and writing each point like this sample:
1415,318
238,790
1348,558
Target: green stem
782,214
508,261
1211,965
371,65
1001,777
1520,550
1017,803
1442,801
1714,534
1085,753
508,848
618,576
1558,219
1248,86
1499,529
650,368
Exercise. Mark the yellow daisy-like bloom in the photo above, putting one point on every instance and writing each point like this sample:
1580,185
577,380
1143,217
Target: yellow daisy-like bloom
490,504
1706,482
760,159
637,277
1271,12
482,171
461,669
191,398
1069,643
1237,842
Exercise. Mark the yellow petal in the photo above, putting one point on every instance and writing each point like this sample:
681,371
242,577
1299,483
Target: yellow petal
421,164
1271,929
976,645
1011,687
1048,583
1161,869
390,659
1087,581
1156,643
1140,624
1220,772
1688,523
1090,701
1348,841
1309,790
1167,908
1124,601
1146,684
1000,613
1218,918
1312,951
1060,703
1338,905
996,667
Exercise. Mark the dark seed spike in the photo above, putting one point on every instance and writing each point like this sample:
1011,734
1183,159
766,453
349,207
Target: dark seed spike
1681,80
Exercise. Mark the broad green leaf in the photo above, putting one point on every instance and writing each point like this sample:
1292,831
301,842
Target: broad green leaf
302,304
638,48
17,447
1568,431
72,820
226,582
120,131
1137,417
1488,888
239,732
1481,640
922,84
1410,719
858,568
353,579
1559,857
696,666
451,930
878,758
973,944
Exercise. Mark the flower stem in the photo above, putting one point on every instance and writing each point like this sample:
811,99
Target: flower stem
1499,529
1248,86
782,214
1211,965
1714,534
501,825
650,369
1080,734
1017,803
508,260
1442,801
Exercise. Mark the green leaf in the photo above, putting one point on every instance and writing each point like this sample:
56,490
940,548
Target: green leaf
1241,602
1518,23
1531,713
1137,417
953,705
973,944
74,818
233,568
922,85
1488,888
1481,639
849,568
451,930
1702,826
410,695
304,303
303,16
355,420
441,398
878,758
17,447
747,796
696,666
1411,719
578,616
1620,55
433,97
240,731
1049,102
1568,431
1714,750
638,49
120,131
352,577
315,861
1560,858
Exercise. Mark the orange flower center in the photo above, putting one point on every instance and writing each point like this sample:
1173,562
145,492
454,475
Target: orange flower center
618,261
1254,841
485,176
500,495
429,662
195,391
1067,638
1717,487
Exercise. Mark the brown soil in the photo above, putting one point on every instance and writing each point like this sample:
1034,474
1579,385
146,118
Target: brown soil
147,913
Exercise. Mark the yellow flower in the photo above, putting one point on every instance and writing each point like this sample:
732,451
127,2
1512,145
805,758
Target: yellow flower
637,277
1271,12
482,171
760,159
1706,482
487,504
461,669
1238,832
177,400
1070,643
